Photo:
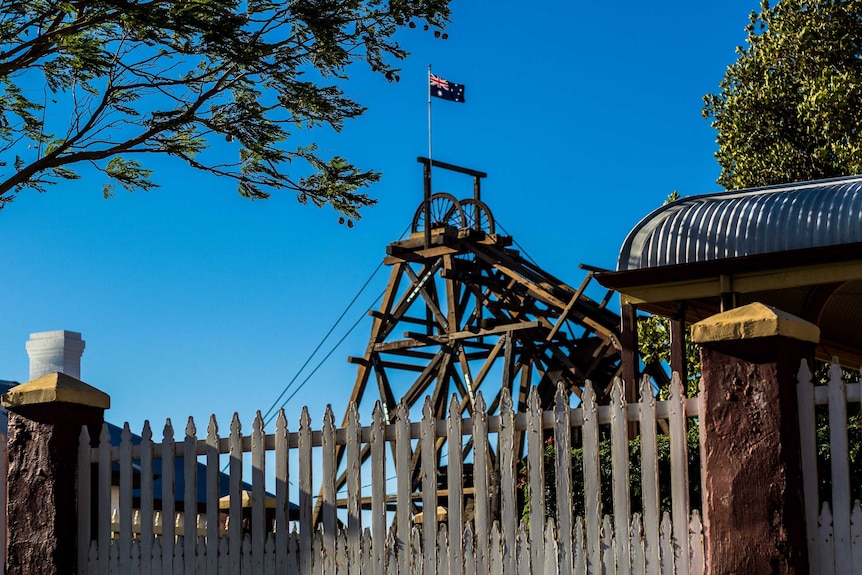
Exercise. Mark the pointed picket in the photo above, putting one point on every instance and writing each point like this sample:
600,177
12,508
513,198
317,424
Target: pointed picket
354,490
469,554
495,550
305,494
212,497
698,563
506,455
481,484
666,545
125,499
826,553
416,555
258,494
327,478
636,539
592,478
378,488
428,456
550,554
536,476
282,481
563,477
679,475
455,477
403,472
443,550
620,470
580,555
235,492
190,495
608,545
649,476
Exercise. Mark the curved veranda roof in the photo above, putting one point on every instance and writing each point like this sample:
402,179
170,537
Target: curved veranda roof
797,247
747,222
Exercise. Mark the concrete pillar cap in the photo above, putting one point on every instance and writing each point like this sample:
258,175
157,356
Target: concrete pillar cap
55,388
752,321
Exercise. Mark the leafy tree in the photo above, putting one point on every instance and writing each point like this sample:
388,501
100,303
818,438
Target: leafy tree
788,109
107,83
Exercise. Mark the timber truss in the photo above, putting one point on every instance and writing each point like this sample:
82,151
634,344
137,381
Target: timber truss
465,312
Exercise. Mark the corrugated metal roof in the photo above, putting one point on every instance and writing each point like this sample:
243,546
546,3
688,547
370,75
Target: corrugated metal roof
747,222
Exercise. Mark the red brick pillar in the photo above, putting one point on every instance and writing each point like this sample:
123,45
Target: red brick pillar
45,419
752,484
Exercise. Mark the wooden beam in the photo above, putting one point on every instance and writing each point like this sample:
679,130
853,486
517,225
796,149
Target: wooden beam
747,282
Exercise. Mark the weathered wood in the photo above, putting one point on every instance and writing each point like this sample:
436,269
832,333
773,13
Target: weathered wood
429,487
212,497
636,537
354,491
580,562
506,458
403,471
469,551
550,554
536,475
679,475
495,547
190,496
124,546
327,479
306,526
378,486
649,476
608,544
698,566
481,484
666,545
592,478
258,494
235,489
443,550
620,470
455,478
856,536
563,478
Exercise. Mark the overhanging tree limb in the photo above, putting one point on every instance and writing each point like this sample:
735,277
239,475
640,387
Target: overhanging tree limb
163,77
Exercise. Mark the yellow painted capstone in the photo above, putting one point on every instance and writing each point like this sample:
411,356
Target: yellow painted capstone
55,388
753,321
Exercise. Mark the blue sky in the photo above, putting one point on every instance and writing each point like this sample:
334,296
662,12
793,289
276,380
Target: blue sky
193,300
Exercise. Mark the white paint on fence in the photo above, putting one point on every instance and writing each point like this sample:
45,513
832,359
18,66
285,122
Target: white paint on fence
835,533
460,544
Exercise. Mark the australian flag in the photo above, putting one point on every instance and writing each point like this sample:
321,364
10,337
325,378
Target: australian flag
446,90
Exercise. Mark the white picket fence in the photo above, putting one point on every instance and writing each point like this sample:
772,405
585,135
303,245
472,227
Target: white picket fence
834,531
638,544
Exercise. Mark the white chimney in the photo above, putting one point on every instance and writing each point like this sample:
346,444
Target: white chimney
52,351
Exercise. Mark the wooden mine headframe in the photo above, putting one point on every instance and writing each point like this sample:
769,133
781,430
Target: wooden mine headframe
464,312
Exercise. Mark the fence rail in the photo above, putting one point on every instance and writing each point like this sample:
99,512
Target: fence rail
603,540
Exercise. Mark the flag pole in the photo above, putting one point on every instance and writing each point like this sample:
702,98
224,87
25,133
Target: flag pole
427,168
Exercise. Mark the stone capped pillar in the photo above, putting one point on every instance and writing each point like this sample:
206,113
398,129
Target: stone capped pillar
55,351
45,420
751,469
